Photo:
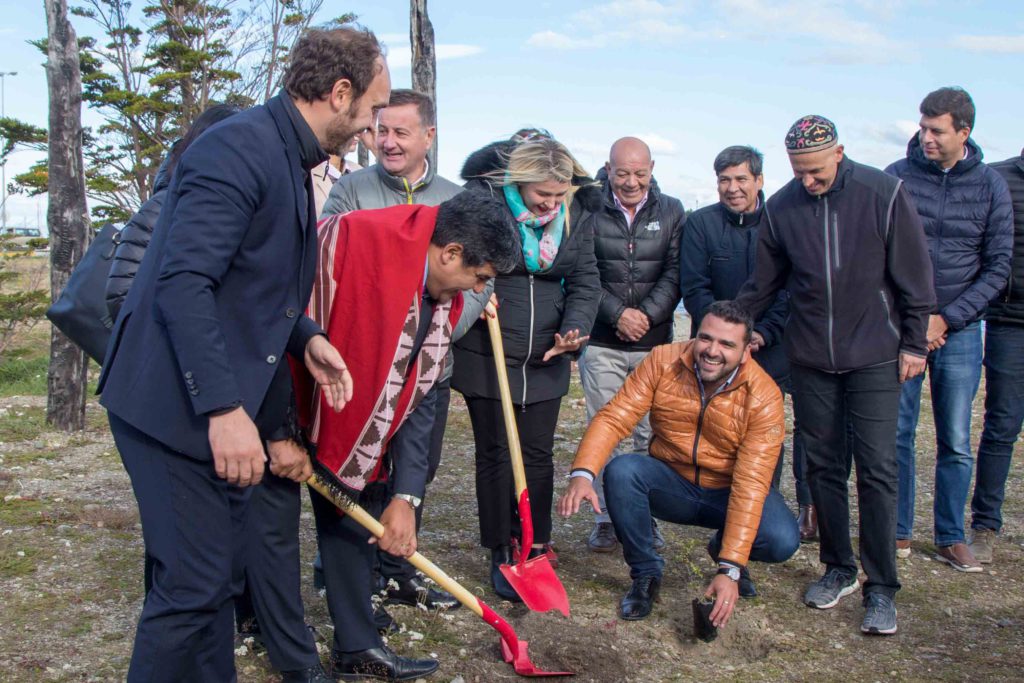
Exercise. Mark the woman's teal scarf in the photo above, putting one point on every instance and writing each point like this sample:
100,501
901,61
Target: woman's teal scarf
542,235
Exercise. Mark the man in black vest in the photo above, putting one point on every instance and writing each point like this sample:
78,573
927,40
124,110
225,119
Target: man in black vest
1004,381
195,377
636,242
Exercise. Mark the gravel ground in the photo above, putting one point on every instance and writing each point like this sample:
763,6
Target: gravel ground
71,580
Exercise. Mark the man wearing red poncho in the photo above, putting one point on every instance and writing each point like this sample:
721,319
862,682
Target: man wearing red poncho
388,292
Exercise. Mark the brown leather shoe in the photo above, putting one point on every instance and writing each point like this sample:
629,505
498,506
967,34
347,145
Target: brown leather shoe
902,548
959,557
808,521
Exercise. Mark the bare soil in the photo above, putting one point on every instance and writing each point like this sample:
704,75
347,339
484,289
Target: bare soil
71,583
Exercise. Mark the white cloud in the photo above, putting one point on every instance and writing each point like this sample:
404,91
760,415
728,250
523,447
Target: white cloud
1001,44
824,20
400,52
616,23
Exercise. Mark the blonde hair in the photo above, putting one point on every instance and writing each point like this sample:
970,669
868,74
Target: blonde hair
540,160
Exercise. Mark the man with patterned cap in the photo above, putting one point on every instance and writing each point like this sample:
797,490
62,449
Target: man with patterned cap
846,240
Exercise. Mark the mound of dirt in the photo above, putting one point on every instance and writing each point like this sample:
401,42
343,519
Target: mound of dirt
559,644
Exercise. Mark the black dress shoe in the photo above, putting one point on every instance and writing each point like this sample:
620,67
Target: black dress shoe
499,556
314,674
415,591
641,598
381,663
746,585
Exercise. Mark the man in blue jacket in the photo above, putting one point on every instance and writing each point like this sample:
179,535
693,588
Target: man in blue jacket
716,257
195,379
968,221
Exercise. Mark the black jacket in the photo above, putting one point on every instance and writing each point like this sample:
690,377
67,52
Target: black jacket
637,263
717,256
220,294
531,308
968,222
856,265
1009,305
132,242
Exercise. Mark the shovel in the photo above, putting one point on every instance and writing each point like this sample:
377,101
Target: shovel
534,580
513,650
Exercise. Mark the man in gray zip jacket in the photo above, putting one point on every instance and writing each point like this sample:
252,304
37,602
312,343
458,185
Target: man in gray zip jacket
403,175
847,242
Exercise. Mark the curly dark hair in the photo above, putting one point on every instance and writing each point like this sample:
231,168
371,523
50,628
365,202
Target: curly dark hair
320,58
732,313
954,101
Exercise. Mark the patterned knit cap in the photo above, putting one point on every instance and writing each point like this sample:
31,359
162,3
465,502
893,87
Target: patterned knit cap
811,134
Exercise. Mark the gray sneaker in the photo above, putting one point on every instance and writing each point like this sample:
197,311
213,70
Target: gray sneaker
981,543
602,538
826,591
880,617
659,540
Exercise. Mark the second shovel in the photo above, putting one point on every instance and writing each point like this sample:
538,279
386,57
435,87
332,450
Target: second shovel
533,579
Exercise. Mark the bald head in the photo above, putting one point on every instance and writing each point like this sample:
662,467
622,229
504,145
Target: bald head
629,169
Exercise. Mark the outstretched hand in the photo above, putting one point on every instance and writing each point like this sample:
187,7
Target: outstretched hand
580,489
725,591
570,343
329,371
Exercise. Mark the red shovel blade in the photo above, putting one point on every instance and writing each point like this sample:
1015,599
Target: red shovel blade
520,661
537,584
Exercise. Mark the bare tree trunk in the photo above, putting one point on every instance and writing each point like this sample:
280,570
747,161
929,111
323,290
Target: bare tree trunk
424,64
67,215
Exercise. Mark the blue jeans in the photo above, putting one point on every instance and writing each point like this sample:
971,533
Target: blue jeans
954,371
638,486
1004,413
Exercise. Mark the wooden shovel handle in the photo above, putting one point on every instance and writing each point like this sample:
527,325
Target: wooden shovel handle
368,522
507,410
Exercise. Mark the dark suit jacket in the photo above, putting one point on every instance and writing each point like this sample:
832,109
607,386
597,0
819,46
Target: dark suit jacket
220,294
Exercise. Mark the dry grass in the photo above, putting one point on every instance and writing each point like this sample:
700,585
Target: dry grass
71,577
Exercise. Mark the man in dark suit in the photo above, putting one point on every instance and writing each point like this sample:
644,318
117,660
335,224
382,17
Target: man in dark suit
195,379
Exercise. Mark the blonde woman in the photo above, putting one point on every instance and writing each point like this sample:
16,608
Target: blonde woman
547,306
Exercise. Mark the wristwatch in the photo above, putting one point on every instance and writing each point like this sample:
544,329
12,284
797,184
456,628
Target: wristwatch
730,571
413,501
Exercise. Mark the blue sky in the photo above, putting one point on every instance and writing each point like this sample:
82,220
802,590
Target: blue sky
689,77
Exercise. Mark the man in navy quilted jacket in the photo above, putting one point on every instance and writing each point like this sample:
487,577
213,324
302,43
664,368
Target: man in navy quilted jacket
967,215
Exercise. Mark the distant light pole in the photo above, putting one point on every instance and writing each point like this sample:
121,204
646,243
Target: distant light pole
3,166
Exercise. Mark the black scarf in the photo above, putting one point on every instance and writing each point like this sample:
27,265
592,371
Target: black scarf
311,154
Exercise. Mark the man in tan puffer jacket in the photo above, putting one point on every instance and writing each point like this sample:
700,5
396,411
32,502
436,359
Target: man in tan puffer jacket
717,426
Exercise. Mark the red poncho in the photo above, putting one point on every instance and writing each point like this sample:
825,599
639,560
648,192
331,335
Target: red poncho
367,296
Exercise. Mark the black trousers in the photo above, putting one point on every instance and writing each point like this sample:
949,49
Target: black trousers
348,562
495,488
389,566
867,403
193,524
272,592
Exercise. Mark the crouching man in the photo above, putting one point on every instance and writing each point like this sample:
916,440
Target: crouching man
717,426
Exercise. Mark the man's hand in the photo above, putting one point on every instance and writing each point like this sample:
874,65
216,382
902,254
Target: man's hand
237,449
632,324
328,369
756,342
936,334
725,592
910,366
579,490
399,522
572,341
289,460
490,308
